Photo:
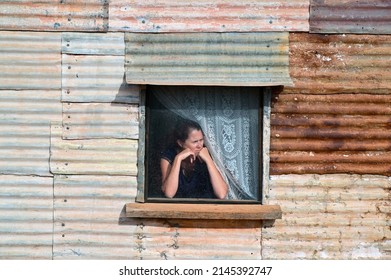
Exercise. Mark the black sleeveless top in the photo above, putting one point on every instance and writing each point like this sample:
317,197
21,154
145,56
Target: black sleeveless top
195,185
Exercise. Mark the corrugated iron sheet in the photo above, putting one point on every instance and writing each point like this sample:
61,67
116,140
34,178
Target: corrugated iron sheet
88,214
90,224
230,59
323,134
30,60
340,63
224,240
25,118
26,217
96,78
54,15
92,157
100,120
93,43
329,217
208,16
350,16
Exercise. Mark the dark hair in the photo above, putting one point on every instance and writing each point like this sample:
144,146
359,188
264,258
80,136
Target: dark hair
183,128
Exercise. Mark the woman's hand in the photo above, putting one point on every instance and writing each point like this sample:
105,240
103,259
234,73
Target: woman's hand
220,187
204,155
185,154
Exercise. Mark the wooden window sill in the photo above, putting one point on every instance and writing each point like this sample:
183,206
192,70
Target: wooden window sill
203,211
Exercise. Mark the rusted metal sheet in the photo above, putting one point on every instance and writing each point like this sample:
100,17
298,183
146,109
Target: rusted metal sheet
350,16
92,157
88,217
95,78
208,16
30,60
100,120
26,217
93,43
323,134
54,15
340,63
329,217
230,59
25,118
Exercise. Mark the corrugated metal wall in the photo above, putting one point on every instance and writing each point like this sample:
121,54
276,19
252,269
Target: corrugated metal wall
54,15
230,59
350,16
69,133
329,217
337,117
208,16
340,63
26,217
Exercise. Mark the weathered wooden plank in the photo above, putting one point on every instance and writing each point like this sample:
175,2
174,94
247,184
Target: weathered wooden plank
30,60
100,120
93,78
92,157
203,211
93,43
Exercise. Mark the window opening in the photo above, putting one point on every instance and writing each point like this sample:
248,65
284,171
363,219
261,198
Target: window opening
231,119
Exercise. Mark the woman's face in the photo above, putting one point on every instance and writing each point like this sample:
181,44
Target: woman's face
195,141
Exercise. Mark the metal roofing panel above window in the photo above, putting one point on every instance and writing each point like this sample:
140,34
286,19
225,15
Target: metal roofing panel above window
229,59
350,16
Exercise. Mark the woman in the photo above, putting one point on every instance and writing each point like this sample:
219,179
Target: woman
188,171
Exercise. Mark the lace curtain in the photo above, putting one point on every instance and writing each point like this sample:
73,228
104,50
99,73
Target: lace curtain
229,119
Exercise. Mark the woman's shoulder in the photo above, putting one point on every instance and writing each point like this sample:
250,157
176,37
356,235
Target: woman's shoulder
169,154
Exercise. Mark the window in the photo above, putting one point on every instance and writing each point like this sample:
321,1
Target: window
230,119
238,62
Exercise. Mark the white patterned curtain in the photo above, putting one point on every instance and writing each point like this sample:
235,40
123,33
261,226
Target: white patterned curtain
229,118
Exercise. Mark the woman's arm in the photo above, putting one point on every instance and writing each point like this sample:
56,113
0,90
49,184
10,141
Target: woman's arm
170,173
220,187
